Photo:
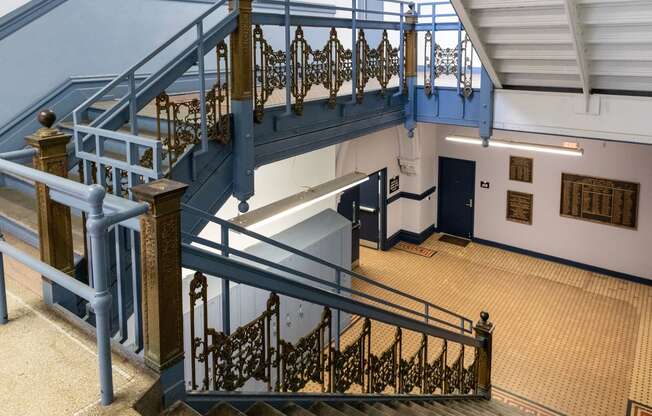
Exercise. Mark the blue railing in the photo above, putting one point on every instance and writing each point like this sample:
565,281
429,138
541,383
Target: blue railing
104,212
432,314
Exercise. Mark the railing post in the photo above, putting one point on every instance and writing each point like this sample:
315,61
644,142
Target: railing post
4,316
54,225
241,48
410,68
226,287
161,284
484,333
97,229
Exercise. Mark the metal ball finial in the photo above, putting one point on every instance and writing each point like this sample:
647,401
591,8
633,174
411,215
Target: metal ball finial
47,118
484,316
243,206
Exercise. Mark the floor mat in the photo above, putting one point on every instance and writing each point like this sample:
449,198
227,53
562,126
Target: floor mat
414,249
454,240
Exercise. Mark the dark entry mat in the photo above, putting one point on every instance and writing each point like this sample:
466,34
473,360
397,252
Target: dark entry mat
462,242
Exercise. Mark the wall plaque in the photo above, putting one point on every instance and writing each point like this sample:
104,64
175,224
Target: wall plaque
520,168
393,184
600,200
519,207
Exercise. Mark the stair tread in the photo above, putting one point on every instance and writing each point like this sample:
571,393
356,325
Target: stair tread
224,409
386,409
20,207
347,409
370,410
263,409
180,409
323,409
293,409
412,409
443,408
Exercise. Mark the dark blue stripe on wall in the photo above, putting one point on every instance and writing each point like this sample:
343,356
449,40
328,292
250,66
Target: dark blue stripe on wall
408,195
583,266
25,14
410,237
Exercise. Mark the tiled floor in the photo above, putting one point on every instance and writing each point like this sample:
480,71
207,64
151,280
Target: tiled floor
568,339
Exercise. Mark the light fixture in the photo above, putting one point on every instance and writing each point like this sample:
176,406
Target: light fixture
560,150
294,203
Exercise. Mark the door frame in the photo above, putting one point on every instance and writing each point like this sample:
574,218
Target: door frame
382,207
439,200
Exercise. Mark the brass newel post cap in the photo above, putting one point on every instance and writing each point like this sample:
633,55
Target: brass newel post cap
48,138
483,324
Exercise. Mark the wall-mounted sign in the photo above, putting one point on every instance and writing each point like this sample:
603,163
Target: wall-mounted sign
520,168
519,207
600,200
393,184
484,184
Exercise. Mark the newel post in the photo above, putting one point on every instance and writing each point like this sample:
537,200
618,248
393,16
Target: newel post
160,249
410,69
54,225
242,85
484,333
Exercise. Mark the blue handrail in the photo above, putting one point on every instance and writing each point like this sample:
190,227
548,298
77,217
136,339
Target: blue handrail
461,323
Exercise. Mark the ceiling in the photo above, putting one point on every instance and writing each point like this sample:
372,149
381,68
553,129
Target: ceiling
580,44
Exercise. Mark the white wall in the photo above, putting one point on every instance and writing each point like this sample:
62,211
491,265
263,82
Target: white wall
277,181
82,37
605,246
609,117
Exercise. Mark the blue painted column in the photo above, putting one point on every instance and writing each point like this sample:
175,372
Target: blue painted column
410,46
486,125
242,106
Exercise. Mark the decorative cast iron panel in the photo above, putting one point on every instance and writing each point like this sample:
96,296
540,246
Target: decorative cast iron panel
329,67
457,61
412,370
384,370
179,121
350,364
310,359
606,201
434,372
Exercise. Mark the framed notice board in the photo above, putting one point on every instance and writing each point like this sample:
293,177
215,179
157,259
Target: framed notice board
606,201
520,168
519,207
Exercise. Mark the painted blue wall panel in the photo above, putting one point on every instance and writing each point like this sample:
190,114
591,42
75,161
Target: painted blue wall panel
446,106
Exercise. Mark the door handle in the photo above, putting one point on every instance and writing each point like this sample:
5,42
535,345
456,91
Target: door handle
367,209
470,203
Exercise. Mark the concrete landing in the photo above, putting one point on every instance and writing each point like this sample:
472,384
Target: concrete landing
48,366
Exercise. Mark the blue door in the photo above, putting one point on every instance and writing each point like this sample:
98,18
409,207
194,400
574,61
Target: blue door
456,197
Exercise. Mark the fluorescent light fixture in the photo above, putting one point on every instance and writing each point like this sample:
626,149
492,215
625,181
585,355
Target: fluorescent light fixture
560,150
297,202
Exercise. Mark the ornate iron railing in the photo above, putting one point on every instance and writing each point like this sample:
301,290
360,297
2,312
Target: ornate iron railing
257,352
179,121
457,61
331,66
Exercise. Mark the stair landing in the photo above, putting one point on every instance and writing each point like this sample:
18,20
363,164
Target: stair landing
49,366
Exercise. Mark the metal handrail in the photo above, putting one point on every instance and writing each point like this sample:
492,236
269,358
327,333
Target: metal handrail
132,70
198,259
90,199
463,321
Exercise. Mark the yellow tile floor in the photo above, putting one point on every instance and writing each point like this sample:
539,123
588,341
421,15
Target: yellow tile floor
572,340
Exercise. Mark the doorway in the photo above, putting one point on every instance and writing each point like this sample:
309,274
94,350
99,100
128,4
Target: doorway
455,206
365,206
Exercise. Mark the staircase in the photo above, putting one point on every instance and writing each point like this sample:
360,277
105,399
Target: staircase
423,407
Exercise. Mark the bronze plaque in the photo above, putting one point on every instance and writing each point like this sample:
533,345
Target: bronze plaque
520,168
600,200
519,207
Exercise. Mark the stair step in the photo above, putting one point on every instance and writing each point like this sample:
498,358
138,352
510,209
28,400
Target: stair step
322,409
442,408
224,409
293,409
347,409
502,408
263,409
389,411
370,410
410,409
180,409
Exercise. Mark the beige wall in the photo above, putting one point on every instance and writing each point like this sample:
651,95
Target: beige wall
605,246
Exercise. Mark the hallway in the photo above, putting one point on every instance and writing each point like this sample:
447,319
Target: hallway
568,339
